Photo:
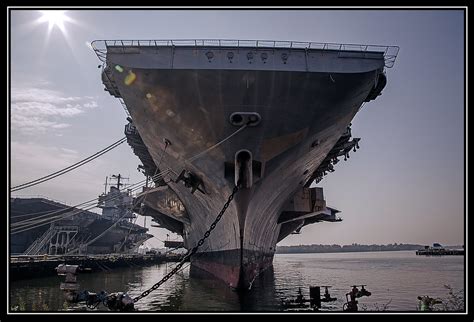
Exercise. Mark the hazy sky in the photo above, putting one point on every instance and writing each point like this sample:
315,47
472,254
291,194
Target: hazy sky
405,184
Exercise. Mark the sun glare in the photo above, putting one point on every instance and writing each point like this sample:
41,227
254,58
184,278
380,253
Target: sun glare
54,18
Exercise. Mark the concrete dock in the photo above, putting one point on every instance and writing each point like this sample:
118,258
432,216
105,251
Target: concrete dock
26,266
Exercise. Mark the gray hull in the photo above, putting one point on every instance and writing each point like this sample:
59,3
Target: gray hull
88,226
304,111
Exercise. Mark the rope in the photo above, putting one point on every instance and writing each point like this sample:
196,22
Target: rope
90,204
69,168
133,206
217,144
48,213
100,236
42,222
155,177
34,224
191,252
146,195
112,298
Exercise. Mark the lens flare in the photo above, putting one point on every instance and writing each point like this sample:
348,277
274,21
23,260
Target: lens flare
130,78
119,68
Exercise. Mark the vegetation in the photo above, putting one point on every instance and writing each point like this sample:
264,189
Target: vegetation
376,307
317,248
35,306
21,306
454,302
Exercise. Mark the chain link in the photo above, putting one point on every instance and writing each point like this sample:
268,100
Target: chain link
193,250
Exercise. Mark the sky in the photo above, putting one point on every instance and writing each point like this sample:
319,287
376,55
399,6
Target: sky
404,185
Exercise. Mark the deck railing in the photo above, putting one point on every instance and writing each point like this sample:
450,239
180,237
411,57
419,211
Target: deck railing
390,52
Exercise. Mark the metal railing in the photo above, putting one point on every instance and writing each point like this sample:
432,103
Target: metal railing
104,72
40,242
389,52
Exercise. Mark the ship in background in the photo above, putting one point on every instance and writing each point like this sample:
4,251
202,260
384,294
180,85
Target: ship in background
42,226
274,116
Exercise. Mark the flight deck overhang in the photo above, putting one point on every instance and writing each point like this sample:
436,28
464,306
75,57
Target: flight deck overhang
245,55
328,214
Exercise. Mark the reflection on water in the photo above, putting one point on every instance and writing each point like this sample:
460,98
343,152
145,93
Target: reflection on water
398,277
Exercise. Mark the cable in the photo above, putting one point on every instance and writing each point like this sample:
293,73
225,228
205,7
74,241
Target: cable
69,168
87,204
217,144
33,225
146,195
49,213
35,213
114,224
99,236
103,233
159,239
45,221
36,225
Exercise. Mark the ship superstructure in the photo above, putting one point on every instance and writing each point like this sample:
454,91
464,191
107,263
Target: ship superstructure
42,226
205,115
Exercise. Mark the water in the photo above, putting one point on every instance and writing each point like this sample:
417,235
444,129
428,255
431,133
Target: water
394,278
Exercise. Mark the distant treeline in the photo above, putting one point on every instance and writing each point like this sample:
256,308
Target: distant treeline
345,248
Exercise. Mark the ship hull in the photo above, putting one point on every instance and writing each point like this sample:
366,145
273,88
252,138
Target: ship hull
228,266
89,226
303,114
284,149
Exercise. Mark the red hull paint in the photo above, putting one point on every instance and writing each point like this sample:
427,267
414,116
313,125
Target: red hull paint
227,273
226,266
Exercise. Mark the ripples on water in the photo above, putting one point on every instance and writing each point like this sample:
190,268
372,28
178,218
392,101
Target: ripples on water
395,277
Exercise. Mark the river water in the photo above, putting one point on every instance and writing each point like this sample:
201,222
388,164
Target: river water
394,278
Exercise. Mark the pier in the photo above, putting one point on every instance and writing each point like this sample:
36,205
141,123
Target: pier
440,252
26,266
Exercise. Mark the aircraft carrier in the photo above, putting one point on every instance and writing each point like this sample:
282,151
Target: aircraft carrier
41,226
270,116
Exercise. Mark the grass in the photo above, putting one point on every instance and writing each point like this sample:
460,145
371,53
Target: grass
454,302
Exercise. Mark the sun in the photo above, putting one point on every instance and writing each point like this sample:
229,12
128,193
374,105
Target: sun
54,18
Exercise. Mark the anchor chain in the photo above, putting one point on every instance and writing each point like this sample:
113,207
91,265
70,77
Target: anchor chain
193,250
